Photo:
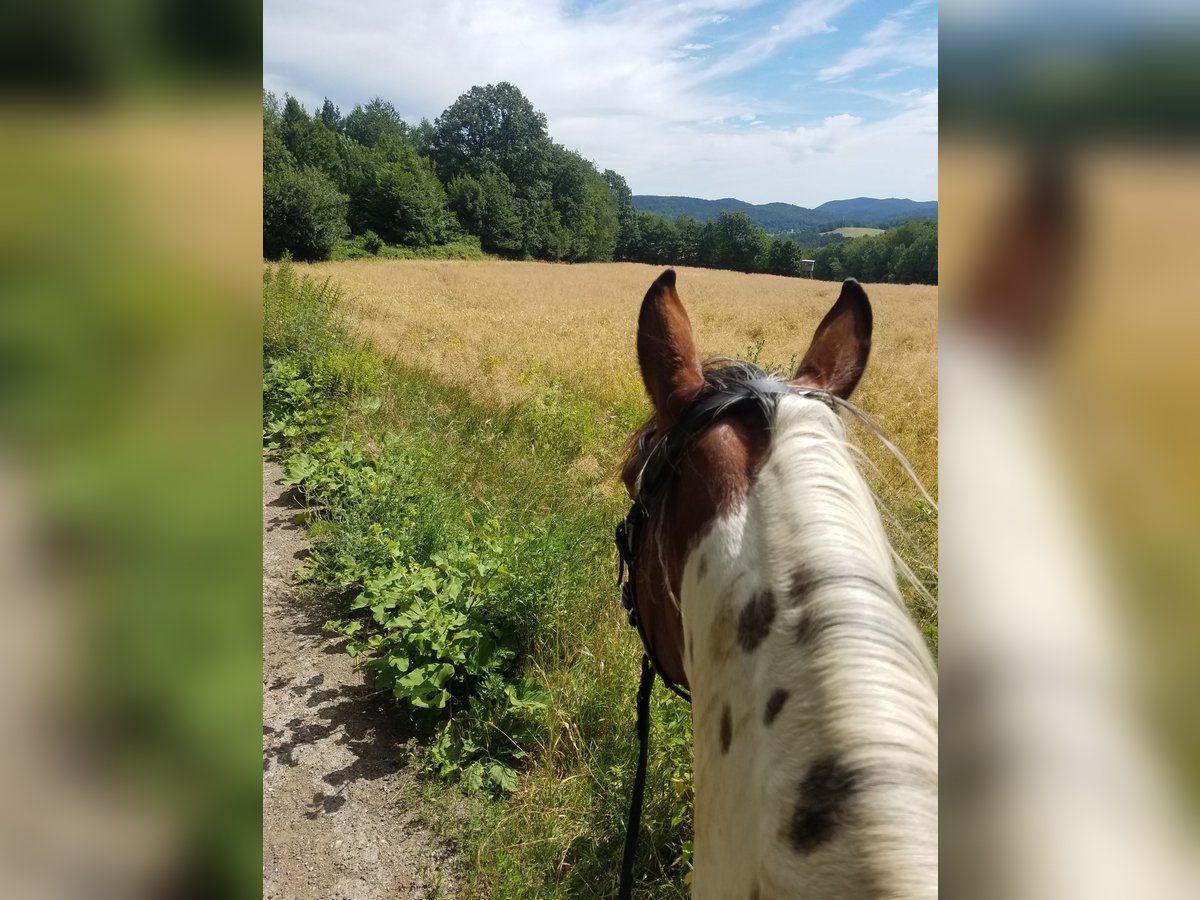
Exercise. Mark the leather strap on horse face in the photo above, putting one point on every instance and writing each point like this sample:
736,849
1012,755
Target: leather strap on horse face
658,463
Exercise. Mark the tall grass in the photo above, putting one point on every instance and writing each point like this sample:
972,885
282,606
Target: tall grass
521,453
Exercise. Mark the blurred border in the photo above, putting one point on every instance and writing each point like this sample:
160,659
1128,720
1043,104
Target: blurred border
130,451
1100,401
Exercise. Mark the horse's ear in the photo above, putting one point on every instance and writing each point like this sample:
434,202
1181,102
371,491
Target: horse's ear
1019,293
837,356
667,352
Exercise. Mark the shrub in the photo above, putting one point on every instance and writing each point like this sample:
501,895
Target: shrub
372,243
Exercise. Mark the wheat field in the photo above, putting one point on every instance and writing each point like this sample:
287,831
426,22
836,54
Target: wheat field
502,329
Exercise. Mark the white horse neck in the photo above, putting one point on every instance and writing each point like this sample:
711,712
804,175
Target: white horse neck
814,695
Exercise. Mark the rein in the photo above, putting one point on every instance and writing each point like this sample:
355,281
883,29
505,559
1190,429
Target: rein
658,463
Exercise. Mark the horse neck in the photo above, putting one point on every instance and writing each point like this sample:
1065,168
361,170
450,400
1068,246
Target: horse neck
814,699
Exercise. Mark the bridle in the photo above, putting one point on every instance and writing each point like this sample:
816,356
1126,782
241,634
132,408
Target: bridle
658,461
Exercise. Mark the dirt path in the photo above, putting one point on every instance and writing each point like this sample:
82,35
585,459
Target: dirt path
337,820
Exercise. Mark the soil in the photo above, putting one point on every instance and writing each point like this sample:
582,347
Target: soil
339,802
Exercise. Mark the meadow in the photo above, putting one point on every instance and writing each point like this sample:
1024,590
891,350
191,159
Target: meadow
460,425
853,231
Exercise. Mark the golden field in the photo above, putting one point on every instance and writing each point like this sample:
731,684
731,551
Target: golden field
501,329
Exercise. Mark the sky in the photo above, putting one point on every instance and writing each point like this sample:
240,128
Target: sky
800,102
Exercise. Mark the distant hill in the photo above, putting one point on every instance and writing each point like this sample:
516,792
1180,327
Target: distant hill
782,218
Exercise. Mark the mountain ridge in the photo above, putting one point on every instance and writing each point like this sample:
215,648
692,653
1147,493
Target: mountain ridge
786,218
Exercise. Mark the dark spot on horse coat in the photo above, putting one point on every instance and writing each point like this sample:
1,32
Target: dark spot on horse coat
774,705
702,568
821,806
726,729
754,621
806,627
803,582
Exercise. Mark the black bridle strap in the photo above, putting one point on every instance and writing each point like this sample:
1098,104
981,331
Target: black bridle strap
645,686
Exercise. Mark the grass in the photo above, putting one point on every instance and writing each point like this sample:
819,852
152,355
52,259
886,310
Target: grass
513,385
853,231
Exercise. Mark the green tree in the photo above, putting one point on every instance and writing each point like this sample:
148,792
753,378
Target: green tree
371,123
542,234
487,206
492,126
784,257
737,243
659,240
275,152
308,140
628,235
688,233
917,262
587,209
330,116
303,212
399,197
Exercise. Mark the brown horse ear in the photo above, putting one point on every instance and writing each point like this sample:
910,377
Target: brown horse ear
838,354
666,351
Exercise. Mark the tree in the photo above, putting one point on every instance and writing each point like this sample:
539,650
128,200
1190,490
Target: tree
917,263
486,206
303,212
659,240
492,126
310,142
369,124
688,233
628,235
737,243
399,197
784,257
275,152
587,209
331,116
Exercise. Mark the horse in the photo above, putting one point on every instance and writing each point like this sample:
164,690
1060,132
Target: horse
762,581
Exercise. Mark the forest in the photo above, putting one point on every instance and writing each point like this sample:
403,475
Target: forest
486,177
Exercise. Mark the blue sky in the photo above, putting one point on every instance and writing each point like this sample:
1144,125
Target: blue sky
801,102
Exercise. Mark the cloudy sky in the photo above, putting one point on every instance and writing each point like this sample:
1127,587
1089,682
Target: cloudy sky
801,101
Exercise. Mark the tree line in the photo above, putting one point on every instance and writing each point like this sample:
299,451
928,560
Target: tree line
487,168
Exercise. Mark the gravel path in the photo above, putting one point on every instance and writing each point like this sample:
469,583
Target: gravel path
337,801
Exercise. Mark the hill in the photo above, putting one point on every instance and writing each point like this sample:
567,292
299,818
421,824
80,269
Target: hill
782,218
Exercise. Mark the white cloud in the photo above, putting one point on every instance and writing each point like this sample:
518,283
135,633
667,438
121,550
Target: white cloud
804,20
612,86
890,41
